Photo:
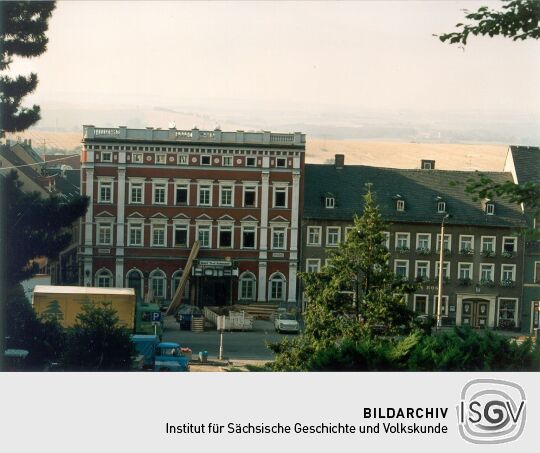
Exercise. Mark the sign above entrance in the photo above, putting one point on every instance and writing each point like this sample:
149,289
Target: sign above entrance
214,263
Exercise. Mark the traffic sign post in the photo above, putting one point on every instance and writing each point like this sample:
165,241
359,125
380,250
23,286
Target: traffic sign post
221,328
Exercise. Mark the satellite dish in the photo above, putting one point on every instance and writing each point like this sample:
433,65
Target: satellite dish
172,125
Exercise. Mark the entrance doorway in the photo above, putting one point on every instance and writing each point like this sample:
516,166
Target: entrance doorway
475,313
214,291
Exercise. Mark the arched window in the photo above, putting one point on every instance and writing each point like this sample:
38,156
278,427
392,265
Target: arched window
134,279
247,284
158,283
175,281
276,287
104,278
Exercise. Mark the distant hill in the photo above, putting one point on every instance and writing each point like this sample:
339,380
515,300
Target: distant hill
374,153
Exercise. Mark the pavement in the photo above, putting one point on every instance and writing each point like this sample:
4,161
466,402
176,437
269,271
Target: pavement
237,346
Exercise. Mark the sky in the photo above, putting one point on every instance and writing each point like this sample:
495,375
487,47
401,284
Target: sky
296,56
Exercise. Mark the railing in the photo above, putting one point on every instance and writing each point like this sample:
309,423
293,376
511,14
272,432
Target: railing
100,131
282,138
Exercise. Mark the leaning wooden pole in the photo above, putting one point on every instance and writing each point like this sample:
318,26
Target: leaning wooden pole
177,299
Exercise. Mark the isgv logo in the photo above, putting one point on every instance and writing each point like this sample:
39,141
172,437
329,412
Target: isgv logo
491,411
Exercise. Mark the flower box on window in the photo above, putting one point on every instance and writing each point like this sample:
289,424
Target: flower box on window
488,253
508,283
508,254
423,251
402,249
464,282
487,282
466,252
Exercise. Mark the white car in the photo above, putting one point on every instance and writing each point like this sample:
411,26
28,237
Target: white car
286,322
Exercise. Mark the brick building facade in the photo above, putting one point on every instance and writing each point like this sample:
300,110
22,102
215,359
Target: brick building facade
154,192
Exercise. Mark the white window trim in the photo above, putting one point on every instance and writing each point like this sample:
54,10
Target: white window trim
516,310
482,240
329,202
467,263
427,302
105,272
230,185
313,260
280,186
246,185
386,235
491,265
182,159
164,160
444,305
461,236
278,276
199,185
184,224
229,226
449,236
161,181
423,234
439,203
110,153
408,239
104,224
274,227
131,222
134,160
228,159
158,274
400,205
105,180
178,183
406,267
509,237
133,181
446,264
209,160
328,234
281,166
243,227
490,208
417,262
250,157
153,224
514,267
205,224
314,244
247,275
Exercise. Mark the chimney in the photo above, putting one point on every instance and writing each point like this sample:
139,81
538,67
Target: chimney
339,161
427,164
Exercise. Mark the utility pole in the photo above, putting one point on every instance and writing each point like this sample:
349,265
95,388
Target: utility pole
441,269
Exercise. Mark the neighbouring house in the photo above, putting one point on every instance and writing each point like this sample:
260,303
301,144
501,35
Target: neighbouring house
155,192
483,248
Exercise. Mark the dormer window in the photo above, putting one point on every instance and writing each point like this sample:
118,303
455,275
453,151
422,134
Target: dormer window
490,208
441,207
330,202
400,205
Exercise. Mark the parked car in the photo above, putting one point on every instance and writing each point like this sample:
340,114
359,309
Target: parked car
285,322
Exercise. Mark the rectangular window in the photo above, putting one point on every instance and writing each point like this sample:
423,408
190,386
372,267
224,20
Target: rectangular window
446,269
420,304
248,237
314,235
537,272
402,240
158,234
509,244
276,289
401,268
488,243
106,157
136,193
105,192
508,273
281,162
226,195
278,238
161,159
422,269
423,242
225,236
205,195
280,197
247,289
135,234
204,236
444,305
181,194
251,162
466,244
206,160
104,234
333,236
507,312
386,242
330,202
250,196
313,265
400,205
182,159
227,161
160,192
487,272
465,271
137,158
181,235
447,243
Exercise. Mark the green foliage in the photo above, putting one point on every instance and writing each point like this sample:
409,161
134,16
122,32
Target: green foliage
36,227
518,20
43,340
97,342
459,350
22,33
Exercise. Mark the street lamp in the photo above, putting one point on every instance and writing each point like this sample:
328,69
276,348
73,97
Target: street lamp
441,265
